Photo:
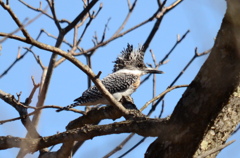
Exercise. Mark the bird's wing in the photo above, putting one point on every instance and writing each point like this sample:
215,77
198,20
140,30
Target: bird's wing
113,83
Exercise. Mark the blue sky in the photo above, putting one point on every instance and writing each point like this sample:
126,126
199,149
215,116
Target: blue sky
202,17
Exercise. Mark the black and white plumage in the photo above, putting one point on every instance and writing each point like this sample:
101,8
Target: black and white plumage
124,80
118,84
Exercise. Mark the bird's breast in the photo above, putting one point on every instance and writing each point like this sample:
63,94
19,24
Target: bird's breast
136,83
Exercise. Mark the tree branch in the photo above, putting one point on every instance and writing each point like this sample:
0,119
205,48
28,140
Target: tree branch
8,98
205,101
80,16
142,127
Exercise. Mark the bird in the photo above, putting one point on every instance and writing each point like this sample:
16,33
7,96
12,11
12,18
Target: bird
123,81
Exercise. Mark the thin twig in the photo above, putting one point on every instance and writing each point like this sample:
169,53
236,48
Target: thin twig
155,28
19,96
162,109
179,75
104,31
35,86
40,108
75,36
10,99
178,41
85,29
130,11
161,94
54,37
78,64
163,61
120,146
79,17
162,11
188,64
154,86
36,57
53,59
173,5
52,8
20,25
153,57
117,36
154,75
83,21
145,79
132,148
39,9
19,58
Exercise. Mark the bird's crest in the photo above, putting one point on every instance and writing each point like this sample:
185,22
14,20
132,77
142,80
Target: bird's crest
129,57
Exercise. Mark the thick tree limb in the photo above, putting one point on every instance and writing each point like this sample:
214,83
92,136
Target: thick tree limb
148,127
209,93
95,115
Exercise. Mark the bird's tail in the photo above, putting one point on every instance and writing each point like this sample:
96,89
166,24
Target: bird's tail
68,107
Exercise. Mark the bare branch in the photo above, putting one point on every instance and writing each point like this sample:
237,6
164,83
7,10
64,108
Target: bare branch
159,15
188,64
54,37
18,96
117,36
203,53
120,146
8,98
39,9
178,41
132,148
130,8
22,39
179,75
85,29
52,8
19,57
36,57
173,5
79,134
78,64
35,86
19,24
79,17
40,108
162,109
162,94
153,58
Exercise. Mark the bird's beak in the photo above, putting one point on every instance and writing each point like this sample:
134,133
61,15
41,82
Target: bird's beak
153,70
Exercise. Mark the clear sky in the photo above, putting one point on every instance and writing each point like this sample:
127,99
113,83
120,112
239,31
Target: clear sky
202,17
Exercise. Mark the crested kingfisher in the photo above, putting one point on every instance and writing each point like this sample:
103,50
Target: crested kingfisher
124,80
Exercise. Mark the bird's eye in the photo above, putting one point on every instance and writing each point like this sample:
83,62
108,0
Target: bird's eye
140,65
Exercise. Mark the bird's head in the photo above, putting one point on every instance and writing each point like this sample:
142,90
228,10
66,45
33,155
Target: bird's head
131,59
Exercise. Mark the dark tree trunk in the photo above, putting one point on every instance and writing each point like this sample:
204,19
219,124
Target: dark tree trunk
208,111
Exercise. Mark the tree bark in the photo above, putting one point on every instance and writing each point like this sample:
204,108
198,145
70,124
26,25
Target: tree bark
208,111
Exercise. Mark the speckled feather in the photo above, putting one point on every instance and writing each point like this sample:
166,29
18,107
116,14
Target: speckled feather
116,82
